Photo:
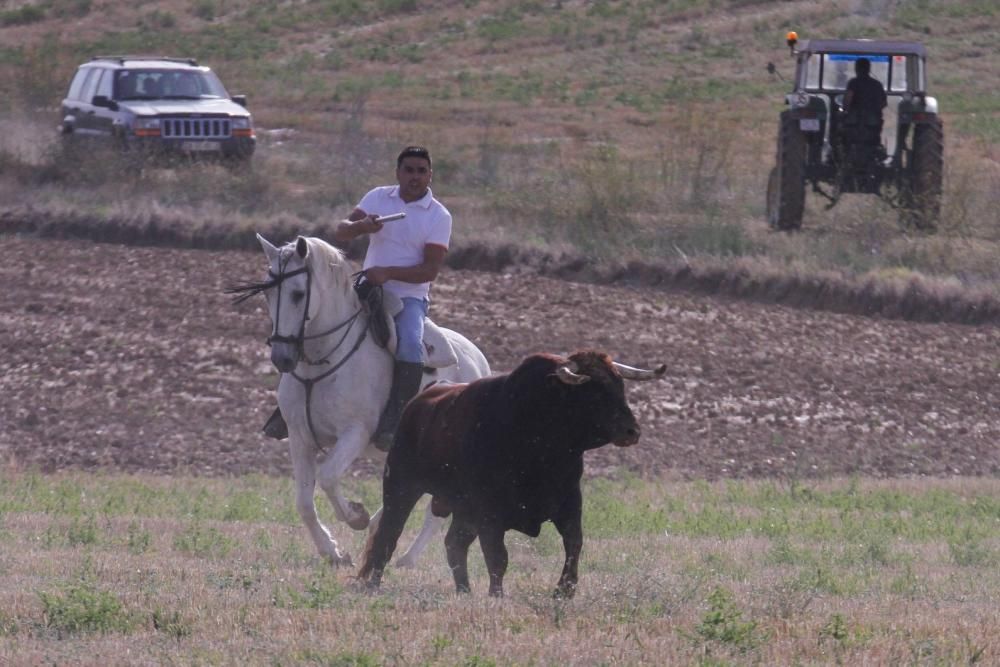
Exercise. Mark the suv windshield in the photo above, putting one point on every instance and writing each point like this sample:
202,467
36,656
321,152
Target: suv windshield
831,71
173,84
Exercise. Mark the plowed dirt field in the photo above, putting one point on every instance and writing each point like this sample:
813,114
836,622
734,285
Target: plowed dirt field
132,359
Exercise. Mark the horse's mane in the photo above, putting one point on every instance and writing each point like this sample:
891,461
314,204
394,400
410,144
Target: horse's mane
328,264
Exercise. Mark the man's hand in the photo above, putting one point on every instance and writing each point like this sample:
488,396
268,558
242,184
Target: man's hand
358,223
377,275
369,225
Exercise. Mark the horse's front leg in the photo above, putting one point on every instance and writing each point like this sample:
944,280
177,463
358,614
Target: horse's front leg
349,447
304,471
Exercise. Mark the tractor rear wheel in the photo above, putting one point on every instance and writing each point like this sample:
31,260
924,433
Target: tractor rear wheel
786,185
926,175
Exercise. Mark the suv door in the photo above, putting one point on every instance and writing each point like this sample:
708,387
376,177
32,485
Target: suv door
104,116
71,105
86,125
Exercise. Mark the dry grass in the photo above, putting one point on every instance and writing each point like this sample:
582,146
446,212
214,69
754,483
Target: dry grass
139,570
623,131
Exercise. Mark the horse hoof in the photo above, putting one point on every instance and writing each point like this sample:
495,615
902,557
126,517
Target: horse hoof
341,560
405,563
361,516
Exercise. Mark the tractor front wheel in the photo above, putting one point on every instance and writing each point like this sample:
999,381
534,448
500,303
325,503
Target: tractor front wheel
926,175
786,185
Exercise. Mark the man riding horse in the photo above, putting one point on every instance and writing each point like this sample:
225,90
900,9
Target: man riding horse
404,257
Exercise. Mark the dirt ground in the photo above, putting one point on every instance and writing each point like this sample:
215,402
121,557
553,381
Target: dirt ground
132,359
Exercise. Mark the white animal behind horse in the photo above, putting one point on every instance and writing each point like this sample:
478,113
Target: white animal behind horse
332,423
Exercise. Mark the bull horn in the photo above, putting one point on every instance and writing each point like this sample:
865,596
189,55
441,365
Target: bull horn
630,373
569,377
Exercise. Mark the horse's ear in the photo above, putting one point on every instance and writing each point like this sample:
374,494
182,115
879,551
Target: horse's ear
301,247
269,249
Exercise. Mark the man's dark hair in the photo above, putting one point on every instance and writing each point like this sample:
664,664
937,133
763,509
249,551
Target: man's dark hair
413,151
863,66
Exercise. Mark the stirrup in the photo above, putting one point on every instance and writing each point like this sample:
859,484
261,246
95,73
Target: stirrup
276,427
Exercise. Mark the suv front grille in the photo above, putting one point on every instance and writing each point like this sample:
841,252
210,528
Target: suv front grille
195,128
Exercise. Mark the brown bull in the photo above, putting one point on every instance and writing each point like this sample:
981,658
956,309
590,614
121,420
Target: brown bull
504,453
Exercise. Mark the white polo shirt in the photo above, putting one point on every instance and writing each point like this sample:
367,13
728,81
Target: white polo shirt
401,242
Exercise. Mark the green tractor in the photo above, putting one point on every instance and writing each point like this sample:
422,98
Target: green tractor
897,154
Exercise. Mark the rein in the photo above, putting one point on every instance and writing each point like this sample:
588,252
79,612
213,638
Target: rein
309,383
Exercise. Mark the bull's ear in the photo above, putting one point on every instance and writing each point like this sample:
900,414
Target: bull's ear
301,247
269,250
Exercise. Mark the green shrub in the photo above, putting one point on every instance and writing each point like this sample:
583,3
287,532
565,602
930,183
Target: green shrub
206,542
321,592
76,8
723,624
500,28
967,551
83,608
204,9
8,625
22,16
157,19
171,623
397,6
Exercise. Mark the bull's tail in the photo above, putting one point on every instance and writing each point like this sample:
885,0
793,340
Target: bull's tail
366,556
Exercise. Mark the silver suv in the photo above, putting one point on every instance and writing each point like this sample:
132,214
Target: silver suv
157,107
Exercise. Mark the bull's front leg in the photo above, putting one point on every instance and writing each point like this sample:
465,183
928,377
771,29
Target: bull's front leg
495,553
456,543
399,499
569,524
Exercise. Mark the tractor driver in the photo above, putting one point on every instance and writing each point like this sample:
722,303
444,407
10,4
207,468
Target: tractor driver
865,98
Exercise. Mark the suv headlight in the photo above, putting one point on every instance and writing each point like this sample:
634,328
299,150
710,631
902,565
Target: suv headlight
146,127
242,127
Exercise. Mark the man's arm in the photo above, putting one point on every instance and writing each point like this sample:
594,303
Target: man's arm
425,272
357,224
849,95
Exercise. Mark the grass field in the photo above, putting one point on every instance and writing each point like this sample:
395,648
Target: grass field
618,129
108,569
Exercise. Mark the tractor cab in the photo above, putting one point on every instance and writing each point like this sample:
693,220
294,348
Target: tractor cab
825,66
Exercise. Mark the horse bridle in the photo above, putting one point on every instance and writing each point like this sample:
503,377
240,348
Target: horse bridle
299,340
244,292
276,280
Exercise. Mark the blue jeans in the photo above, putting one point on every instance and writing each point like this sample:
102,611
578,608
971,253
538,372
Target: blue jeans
410,330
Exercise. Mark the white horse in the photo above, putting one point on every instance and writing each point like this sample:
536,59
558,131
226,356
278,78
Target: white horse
335,380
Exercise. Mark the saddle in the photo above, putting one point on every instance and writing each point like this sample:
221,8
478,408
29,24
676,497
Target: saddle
383,307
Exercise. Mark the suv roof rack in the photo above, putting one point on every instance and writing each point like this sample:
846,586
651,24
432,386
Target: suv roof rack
122,59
